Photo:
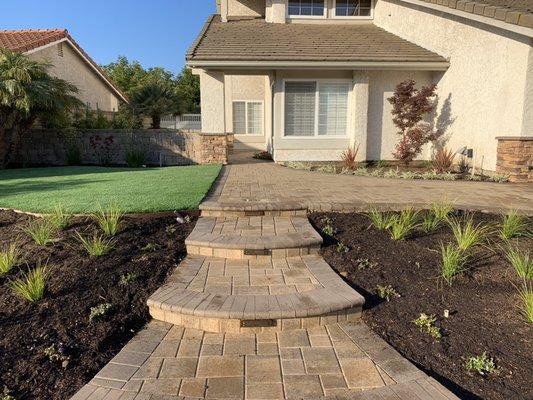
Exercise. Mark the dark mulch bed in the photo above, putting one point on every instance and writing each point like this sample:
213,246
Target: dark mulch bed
76,283
483,305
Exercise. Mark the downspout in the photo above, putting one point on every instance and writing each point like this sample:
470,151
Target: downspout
272,126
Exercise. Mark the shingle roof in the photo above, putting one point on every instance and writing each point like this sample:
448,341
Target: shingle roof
257,40
516,12
26,40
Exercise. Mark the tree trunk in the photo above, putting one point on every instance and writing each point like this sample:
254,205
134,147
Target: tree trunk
156,121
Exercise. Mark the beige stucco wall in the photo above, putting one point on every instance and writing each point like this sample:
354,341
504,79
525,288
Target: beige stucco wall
237,8
247,88
485,88
212,95
71,67
382,134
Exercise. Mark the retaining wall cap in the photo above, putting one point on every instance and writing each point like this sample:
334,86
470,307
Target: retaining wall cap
517,138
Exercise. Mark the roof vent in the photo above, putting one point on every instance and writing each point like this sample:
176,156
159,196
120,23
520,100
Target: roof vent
60,49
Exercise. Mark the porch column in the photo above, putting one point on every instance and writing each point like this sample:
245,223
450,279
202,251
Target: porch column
212,102
269,129
360,110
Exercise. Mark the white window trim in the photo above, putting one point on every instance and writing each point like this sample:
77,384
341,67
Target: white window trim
246,102
316,136
290,17
334,12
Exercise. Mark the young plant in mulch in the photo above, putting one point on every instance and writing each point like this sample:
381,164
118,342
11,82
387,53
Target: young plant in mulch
453,262
97,245
108,219
482,364
151,247
521,262
386,292
41,230
60,219
100,312
514,225
426,324
526,300
404,224
128,279
6,394
9,257
328,228
381,220
31,285
467,234
342,248
364,263
57,354
438,213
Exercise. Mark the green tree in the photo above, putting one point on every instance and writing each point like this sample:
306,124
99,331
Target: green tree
129,76
28,93
154,100
188,90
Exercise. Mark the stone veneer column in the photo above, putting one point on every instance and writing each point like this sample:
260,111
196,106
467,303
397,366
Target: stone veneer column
212,102
360,113
515,157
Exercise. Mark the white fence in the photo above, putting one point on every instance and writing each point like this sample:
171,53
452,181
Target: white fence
185,121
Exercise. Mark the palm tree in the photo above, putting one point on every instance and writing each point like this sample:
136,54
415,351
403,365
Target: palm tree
28,93
155,100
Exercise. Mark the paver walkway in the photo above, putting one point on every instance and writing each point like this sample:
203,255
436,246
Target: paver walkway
259,185
254,312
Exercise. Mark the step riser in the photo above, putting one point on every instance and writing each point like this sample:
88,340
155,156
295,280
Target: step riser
242,254
266,213
222,325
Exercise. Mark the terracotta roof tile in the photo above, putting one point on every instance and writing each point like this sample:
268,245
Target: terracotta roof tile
257,40
31,39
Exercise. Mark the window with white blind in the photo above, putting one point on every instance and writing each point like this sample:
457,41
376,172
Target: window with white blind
315,108
353,8
307,8
248,117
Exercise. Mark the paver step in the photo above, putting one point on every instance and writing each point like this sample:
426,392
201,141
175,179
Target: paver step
258,207
221,295
253,237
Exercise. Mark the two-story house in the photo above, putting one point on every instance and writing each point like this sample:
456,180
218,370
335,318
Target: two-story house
306,79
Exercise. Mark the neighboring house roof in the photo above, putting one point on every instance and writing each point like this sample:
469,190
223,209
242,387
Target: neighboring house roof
31,40
254,40
515,12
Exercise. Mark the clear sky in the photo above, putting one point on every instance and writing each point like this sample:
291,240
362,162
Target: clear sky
153,32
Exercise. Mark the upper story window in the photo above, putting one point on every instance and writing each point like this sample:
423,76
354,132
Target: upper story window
307,8
353,8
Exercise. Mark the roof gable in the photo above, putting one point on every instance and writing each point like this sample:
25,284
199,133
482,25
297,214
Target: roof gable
30,40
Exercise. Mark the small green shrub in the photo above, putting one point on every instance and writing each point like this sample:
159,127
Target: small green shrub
426,324
441,211
499,178
466,233
9,257
57,354
381,163
299,165
430,223
135,157
128,278
108,220
453,262
41,230
392,173
31,286
364,264
386,292
60,219
327,169
342,248
378,172
521,262
513,225
481,364
361,171
404,224
73,154
526,298
409,175
100,312
96,246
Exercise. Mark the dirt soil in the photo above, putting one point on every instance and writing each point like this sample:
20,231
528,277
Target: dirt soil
482,303
76,283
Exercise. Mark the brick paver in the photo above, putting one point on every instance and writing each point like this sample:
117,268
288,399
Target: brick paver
255,186
273,324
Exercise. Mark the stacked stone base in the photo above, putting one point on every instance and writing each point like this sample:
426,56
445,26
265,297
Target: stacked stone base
515,158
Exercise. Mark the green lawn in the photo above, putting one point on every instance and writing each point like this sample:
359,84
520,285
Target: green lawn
84,189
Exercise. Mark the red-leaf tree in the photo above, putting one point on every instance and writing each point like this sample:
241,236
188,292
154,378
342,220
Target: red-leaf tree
409,106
